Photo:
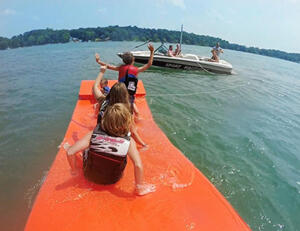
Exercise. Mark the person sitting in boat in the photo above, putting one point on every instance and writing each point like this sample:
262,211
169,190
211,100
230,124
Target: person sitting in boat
117,94
128,73
177,50
170,51
216,51
106,150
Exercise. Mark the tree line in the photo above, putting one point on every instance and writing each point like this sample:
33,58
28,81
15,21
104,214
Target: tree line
131,33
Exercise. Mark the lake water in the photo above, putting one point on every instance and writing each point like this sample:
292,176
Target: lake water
242,131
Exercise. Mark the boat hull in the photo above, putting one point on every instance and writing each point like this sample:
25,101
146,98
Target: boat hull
184,63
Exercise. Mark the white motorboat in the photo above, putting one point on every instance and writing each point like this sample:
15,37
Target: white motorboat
183,61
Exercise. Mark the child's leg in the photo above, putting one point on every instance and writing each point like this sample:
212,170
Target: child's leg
136,111
136,136
134,107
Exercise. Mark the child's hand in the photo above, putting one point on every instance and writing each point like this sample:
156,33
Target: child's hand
103,68
150,47
97,56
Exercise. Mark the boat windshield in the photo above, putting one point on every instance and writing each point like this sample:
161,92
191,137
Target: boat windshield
162,49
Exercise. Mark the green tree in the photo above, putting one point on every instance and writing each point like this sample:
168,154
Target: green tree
132,33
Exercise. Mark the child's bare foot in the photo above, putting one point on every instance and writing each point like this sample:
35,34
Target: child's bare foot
143,189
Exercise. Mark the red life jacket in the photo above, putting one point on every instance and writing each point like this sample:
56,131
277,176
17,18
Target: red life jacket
128,75
132,70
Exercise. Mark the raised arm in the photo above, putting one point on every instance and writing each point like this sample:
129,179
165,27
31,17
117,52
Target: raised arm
150,61
109,66
96,90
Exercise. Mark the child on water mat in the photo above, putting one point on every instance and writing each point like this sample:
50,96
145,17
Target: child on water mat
128,73
104,88
101,93
106,149
117,94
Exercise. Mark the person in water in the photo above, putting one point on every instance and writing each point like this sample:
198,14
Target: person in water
106,150
216,51
128,73
117,94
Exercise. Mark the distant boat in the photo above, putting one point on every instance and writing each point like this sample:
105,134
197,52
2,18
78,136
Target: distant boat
183,61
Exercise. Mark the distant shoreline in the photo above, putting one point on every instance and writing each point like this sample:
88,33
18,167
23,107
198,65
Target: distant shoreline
131,33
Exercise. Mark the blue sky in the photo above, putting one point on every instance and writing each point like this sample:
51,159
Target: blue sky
262,23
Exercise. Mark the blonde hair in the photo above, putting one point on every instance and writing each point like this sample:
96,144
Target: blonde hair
117,120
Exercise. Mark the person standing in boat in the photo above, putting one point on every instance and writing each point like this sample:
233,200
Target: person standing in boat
106,150
216,51
128,73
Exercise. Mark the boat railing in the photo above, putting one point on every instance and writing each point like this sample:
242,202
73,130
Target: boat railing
191,56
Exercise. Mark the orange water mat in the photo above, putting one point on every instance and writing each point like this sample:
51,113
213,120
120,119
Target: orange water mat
184,198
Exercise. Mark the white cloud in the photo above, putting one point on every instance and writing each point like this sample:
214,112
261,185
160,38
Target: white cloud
8,12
